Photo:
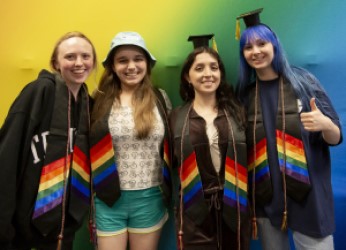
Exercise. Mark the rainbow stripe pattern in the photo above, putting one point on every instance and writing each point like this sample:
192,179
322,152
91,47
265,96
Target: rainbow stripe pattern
191,182
102,162
166,172
51,187
80,175
230,194
260,164
296,166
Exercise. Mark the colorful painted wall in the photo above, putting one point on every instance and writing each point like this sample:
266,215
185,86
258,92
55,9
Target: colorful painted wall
312,31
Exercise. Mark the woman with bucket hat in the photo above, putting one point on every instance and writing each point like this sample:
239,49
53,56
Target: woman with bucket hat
130,154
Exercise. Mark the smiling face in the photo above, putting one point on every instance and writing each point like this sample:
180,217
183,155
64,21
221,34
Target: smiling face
259,55
74,60
130,65
204,74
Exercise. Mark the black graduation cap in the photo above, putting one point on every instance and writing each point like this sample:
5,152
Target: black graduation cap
200,40
250,18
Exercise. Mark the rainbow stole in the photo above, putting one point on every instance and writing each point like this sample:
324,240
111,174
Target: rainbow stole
192,190
191,182
296,170
260,164
167,162
296,166
102,161
230,196
235,191
80,178
51,187
166,186
104,170
260,167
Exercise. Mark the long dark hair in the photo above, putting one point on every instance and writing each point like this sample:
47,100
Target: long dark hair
225,96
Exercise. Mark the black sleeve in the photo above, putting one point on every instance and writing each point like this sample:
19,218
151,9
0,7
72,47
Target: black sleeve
15,141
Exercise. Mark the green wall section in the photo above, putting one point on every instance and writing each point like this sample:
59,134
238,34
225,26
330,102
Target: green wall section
311,31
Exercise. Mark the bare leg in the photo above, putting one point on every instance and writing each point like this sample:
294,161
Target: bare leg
115,242
147,241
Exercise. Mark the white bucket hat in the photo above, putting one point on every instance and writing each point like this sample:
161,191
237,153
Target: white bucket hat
129,38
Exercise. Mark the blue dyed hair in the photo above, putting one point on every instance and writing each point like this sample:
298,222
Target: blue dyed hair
302,81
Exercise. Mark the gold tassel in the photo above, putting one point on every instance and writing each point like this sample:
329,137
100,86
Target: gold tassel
60,237
237,30
284,221
214,46
254,228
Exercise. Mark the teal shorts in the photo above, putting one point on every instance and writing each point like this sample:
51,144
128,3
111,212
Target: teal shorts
136,211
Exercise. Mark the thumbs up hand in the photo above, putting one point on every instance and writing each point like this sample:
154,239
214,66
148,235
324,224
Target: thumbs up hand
314,120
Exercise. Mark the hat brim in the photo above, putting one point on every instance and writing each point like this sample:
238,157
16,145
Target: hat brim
152,59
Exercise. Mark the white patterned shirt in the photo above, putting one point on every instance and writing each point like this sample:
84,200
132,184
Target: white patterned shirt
138,161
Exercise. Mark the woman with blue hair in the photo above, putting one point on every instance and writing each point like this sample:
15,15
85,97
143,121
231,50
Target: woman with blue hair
291,124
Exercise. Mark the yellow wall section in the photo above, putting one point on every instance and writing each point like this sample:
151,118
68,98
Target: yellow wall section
30,28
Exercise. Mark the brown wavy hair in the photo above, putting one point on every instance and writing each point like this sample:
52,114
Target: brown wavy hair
109,90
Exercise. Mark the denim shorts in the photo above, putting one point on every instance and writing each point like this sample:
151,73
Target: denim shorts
136,211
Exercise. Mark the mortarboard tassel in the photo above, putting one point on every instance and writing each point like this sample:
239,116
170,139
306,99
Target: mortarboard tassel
254,228
214,45
284,222
237,30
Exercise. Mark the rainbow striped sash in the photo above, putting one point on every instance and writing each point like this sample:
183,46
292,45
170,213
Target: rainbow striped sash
166,186
260,167
235,188
296,166
191,182
167,162
104,171
260,164
192,191
296,169
230,194
51,186
80,177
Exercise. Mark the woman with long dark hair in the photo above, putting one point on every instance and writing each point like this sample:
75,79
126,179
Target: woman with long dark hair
210,156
